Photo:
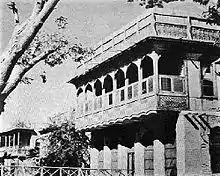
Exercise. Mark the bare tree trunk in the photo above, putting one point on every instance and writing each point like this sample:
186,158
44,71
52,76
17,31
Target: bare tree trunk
21,38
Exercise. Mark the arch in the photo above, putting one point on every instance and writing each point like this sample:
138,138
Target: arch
120,79
88,88
98,87
108,84
132,73
147,67
80,90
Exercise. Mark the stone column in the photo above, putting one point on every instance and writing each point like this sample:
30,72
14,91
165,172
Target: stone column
122,158
107,157
159,158
94,153
139,159
188,147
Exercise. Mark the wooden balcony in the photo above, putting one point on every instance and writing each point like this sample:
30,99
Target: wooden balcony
156,24
132,101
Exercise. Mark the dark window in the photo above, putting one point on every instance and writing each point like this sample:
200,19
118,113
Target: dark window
215,149
166,84
132,73
120,79
98,88
147,67
129,92
110,99
207,88
108,84
122,95
144,87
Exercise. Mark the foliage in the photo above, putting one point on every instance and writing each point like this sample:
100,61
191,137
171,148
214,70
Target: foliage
67,147
212,14
57,44
18,123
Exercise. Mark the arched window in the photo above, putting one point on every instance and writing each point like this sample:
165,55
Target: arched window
98,87
79,91
108,84
88,92
80,100
147,67
132,73
120,79
88,88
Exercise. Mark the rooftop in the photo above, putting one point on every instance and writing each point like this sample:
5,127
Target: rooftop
177,20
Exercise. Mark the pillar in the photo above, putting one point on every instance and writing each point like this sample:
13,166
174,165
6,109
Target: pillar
139,159
94,153
188,146
107,157
5,141
14,140
9,140
122,158
159,158
155,57
18,139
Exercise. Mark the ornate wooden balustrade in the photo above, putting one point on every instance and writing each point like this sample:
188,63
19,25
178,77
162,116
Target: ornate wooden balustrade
152,24
60,171
134,100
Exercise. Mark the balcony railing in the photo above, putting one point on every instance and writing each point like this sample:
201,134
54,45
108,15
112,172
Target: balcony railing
172,84
161,24
61,171
168,85
137,97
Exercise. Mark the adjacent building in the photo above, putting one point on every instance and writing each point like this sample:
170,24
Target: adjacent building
150,95
16,145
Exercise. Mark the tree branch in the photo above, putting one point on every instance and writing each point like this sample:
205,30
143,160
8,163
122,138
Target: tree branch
20,40
19,71
14,9
38,6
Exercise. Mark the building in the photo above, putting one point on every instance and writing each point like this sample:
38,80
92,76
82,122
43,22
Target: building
16,145
150,95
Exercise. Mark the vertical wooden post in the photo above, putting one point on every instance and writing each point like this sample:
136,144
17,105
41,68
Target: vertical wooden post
2,169
5,141
18,139
61,171
9,140
41,171
155,57
14,140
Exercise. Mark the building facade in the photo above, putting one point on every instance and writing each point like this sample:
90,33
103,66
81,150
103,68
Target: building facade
150,96
15,145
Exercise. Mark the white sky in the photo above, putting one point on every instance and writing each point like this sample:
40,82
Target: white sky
89,22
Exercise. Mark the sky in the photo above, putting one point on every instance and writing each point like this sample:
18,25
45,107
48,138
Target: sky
89,21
